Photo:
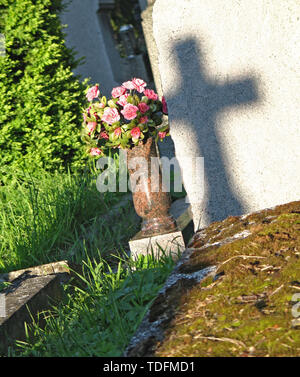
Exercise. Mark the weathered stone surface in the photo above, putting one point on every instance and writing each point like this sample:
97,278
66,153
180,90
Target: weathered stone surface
166,148
170,243
61,267
31,291
234,292
84,33
230,75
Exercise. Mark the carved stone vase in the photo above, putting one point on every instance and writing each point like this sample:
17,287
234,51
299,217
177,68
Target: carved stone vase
150,199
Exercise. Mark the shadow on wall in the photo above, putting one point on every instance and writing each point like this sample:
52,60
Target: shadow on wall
203,99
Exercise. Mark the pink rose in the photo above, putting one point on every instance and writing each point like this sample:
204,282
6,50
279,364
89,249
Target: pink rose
91,126
143,107
129,111
103,135
135,133
164,105
110,115
139,84
123,99
101,105
144,119
118,91
150,94
128,85
117,131
95,151
92,93
162,134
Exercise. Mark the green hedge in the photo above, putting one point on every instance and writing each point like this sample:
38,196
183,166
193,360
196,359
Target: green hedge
41,99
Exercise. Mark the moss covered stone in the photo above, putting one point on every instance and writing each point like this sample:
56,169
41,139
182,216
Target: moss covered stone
244,305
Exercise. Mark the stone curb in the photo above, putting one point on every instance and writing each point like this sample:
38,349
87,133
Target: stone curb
31,291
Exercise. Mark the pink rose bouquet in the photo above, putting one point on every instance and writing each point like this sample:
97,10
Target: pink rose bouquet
129,118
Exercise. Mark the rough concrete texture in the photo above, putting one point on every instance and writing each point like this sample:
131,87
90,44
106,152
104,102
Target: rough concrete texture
31,291
85,36
234,292
166,148
171,243
230,74
41,270
147,25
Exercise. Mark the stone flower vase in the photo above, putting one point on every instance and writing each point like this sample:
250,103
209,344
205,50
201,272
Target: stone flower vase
150,201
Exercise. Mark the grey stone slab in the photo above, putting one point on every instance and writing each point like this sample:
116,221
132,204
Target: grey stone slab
30,292
181,211
60,267
168,243
230,74
85,35
90,33
166,148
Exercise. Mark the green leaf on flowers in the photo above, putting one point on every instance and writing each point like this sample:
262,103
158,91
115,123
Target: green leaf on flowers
130,99
153,107
125,127
86,138
115,125
143,127
163,128
111,137
151,123
124,143
131,125
111,103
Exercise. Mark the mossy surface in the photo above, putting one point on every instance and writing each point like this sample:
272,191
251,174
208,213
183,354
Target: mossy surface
247,308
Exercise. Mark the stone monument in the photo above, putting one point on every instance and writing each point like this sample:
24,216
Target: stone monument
83,33
90,34
230,73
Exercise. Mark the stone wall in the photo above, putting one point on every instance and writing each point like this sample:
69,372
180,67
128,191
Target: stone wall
230,73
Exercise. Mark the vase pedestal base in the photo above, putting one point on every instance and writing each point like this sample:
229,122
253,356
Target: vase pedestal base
170,242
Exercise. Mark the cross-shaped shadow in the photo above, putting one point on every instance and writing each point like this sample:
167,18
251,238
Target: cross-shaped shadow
201,100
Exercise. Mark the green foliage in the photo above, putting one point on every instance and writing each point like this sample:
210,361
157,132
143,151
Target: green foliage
41,99
52,216
100,319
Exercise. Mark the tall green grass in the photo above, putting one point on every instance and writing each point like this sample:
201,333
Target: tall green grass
55,216
100,318
46,217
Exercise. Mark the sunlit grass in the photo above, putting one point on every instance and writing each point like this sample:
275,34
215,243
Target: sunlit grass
42,217
100,317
